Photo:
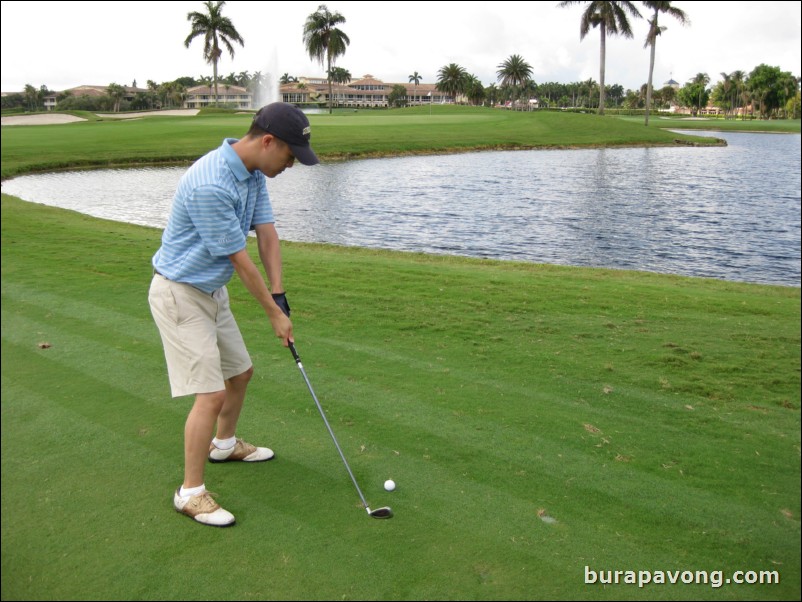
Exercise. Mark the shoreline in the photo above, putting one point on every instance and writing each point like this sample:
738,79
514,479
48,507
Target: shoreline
61,118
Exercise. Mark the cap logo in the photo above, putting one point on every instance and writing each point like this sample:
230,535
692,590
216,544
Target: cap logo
307,131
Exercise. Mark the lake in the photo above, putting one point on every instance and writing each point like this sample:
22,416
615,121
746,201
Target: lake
730,213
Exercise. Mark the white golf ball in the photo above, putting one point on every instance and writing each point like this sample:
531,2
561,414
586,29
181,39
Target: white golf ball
389,484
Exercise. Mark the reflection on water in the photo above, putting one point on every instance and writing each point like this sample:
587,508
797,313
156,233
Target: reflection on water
724,212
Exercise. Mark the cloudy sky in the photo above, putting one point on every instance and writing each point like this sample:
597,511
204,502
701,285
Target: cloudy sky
66,44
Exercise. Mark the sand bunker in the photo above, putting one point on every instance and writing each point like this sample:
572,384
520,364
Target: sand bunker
57,118
40,119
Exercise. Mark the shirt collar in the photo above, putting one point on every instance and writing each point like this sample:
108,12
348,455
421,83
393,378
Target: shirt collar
233,161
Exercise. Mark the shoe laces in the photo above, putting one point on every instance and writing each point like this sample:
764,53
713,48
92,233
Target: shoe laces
203,503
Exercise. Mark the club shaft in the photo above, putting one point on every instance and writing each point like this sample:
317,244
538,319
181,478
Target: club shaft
326,422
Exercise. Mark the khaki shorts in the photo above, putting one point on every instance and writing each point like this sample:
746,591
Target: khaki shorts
202,342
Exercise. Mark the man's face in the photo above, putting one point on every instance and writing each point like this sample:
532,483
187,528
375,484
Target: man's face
276,156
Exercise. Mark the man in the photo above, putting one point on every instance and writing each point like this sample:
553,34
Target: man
218,201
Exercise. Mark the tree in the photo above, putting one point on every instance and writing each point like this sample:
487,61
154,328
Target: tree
491,95
702,79
243,79
153,94
215,29
324,41
772,87
12,101
474,90
140,101
116,93
792,107
615,93
188,81
721,95
609,17
31,95
340,75
695,94
451,79
415,80
515,72
668,95
397,97
651,39
738,79
588,88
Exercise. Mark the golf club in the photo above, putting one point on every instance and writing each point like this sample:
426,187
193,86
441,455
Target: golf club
384,512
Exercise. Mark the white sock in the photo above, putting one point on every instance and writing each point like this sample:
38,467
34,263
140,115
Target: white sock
192,490
224,443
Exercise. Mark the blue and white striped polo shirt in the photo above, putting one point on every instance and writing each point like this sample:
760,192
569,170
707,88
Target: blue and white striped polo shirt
217,202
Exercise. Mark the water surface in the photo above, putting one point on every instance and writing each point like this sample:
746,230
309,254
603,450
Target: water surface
724,212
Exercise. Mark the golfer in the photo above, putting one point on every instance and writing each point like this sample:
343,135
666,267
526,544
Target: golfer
218,201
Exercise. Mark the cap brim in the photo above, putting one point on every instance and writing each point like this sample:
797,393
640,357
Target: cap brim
305,155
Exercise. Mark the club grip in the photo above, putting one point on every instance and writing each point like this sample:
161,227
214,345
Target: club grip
294,352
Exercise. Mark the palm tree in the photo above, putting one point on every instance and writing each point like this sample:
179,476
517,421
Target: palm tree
340,75
588,86
491,93
415,77
515,72
474,90
702,79
451,79
651,38
323,40
726,85
737,78
31,97
215,29
608,17
116,93
243,79
694,94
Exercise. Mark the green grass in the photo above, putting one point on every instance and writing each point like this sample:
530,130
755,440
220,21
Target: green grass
654,418
159,139
785,126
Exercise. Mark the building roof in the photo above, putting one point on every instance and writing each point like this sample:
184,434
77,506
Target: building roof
209,89
368,80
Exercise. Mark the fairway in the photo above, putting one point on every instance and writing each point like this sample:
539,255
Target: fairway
545,426
379,119
539,422
416,130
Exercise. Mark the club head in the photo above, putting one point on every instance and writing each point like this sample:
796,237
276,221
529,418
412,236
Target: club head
384,512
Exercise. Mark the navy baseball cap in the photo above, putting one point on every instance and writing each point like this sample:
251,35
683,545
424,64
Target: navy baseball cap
289,124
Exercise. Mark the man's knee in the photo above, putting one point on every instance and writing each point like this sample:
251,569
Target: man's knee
244,377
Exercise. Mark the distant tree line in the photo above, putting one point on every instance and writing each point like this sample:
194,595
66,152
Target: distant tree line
766,92
165,95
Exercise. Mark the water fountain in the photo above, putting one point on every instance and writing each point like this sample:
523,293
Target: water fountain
267,88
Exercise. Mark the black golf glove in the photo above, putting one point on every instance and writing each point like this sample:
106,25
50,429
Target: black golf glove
281,301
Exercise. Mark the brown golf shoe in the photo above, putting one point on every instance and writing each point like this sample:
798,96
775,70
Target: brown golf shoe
241,452
203,509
